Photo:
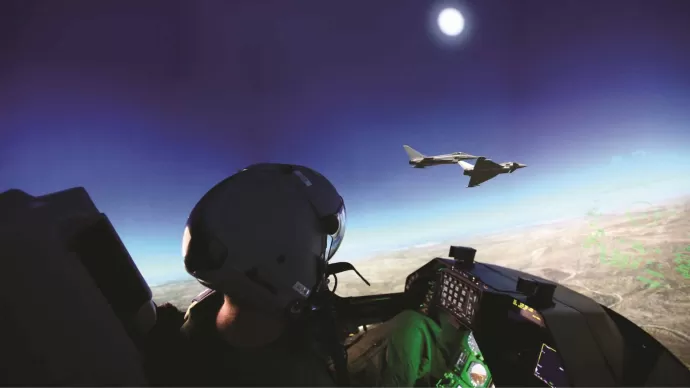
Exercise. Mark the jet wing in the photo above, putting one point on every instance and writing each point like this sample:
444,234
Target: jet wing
476,179
484,163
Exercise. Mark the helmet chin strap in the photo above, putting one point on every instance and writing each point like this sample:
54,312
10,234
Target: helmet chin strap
320,309
321,312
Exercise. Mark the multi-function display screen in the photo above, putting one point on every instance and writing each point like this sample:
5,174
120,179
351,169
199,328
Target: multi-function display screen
549,368
458,296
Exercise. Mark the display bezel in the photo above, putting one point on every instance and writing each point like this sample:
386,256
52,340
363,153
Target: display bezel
471,284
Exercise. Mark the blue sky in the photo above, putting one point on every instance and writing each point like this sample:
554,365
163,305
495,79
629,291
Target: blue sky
148,105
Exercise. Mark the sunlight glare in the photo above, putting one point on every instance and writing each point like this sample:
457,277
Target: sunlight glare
451,22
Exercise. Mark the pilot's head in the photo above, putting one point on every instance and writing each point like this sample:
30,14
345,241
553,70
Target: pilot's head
263,236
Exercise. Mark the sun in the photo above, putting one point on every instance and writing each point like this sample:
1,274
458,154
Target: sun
451,22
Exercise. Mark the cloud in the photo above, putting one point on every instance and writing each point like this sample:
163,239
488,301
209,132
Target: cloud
616,159
427,244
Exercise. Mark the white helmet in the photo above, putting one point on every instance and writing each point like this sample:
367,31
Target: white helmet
264,235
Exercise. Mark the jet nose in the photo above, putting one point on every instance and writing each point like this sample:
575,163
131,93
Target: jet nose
517,166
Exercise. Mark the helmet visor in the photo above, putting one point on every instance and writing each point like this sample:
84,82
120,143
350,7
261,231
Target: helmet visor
334,240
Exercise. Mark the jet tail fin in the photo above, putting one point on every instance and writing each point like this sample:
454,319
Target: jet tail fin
465,166
412,153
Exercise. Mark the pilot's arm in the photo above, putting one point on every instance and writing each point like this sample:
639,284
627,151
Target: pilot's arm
402,352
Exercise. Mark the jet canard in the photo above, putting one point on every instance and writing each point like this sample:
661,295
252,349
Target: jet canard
419,160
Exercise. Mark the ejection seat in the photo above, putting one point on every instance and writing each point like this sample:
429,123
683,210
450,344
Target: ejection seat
74,309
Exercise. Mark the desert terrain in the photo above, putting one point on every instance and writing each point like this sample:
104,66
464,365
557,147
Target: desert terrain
627,261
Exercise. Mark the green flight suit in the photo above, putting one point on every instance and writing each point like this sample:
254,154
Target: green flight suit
406,351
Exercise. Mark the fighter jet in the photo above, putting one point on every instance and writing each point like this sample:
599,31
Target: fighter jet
419,160
485,169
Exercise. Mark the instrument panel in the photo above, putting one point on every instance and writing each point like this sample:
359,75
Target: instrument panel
534,346
520,349
524,330
458,294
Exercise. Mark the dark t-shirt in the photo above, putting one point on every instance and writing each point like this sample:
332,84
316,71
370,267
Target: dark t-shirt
287,361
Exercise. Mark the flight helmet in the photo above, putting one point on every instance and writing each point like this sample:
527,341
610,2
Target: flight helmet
264,235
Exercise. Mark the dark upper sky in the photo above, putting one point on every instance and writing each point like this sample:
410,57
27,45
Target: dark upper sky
148,104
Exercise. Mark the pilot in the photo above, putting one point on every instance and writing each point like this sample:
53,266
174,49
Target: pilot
260,242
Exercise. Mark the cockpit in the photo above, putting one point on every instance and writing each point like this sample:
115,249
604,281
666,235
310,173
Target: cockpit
515,329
